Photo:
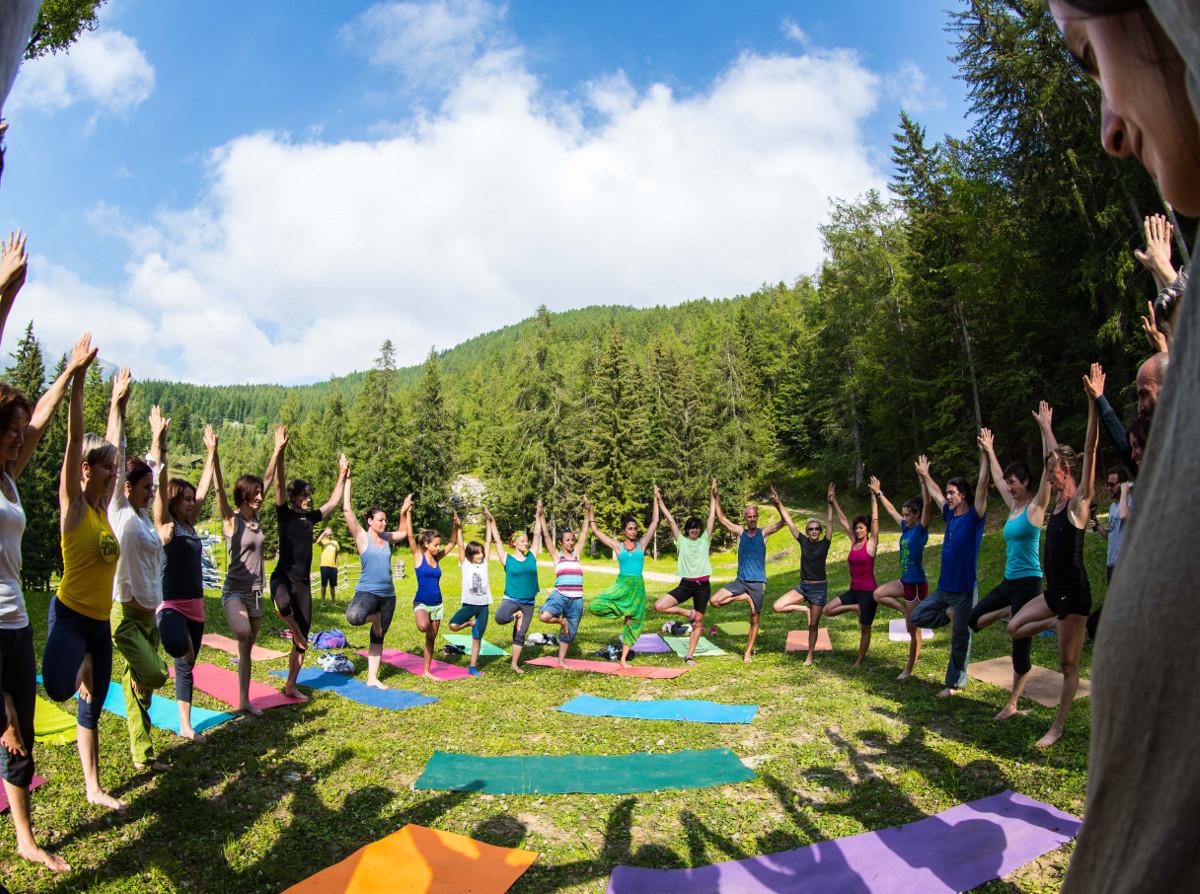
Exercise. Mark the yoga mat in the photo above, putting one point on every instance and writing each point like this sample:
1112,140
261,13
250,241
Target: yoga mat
358,691
611,667
486,649
797,641
164,712
418,859
1042,685
651,644
51,724
898,631
956,850
704,647
735,628
694,710
588,773
225,644
222,685
33,783
414,664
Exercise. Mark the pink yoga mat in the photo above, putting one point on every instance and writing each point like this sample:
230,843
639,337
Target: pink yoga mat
222,685
797,641
225,644
415,664
611,667
33,783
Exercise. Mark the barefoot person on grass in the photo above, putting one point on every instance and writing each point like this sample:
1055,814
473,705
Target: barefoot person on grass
476,593
427,554
520,587
695,571
810,596
564,605
860,598
626,598
905,593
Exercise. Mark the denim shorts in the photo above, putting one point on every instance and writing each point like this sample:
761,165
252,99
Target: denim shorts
814,593
567,607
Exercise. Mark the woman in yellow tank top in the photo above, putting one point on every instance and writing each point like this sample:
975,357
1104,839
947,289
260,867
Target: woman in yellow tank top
78,654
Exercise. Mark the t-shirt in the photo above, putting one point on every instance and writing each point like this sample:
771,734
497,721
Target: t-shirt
912,553
476,588
520,578
12,528
1115,526
139,569
568,575
693,560
752,556
329,553
812,557
296,540
960,550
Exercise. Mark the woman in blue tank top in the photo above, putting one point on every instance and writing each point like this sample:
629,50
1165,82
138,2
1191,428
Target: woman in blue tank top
374,599
427,603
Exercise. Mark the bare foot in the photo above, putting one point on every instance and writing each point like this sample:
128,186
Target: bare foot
375,684
155,766
187,732
904,675
517,669
858,664
1006,712
947,692
51,861
104,799
623,664
295,693
562,663
808,661
428,675
1050,738
83,680
748,658
250,708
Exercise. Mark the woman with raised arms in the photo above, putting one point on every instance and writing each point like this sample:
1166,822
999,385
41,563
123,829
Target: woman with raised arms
520,586
860,598
694,568
427,603
564,605
813,587
906,593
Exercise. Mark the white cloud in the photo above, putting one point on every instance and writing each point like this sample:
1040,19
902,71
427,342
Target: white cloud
792,31
103,68
910,88
301,256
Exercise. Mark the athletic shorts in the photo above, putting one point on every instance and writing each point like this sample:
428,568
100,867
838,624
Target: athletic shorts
698,591
1065,604
435,611
252,599
478,614
915,592
328,577
865,600
814,592
755,589
570,608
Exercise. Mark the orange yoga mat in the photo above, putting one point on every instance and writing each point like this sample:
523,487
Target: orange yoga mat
419,860
797,641
225,644
1042,685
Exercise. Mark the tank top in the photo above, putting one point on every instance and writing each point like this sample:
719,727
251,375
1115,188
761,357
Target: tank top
520,578
630,562
429,583
183,570
12,528
1021,543
568,575
476,588
752,556
376,576
1065,572
862,568
245,557
90,553
139,568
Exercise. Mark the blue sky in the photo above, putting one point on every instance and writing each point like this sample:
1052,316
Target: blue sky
263,191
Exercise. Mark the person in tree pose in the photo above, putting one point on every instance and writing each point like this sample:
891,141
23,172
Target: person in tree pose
695,571
564,605
330,549
21,428
520,586
951,603
291,581
751,583
864,543
1022,541
626,598
476,593
374,599
78,652
427,603
813,588
1068,597
905,593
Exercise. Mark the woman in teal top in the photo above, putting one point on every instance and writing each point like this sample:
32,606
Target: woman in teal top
626,599
520,586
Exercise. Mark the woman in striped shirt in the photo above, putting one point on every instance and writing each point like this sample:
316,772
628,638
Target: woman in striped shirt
564,606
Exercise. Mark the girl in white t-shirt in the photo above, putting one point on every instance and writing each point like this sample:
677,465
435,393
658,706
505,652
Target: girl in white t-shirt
476,593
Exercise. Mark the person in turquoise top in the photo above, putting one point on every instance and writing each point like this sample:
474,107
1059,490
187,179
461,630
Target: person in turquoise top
520,586
695,571
626,598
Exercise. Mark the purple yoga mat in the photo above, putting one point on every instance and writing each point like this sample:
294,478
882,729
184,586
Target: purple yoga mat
650,644
956,850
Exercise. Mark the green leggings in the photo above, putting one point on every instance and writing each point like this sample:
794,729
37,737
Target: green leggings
135,635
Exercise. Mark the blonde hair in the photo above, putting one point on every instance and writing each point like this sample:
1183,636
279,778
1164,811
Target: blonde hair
96,450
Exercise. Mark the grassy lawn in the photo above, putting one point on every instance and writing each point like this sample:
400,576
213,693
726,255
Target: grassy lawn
262,803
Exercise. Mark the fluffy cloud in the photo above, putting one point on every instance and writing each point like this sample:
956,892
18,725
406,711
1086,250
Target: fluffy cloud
303,255
105,68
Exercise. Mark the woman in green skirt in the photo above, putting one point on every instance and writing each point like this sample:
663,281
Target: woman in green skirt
625,599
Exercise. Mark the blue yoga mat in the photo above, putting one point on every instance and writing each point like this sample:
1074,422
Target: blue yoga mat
358,691
694,710
164,712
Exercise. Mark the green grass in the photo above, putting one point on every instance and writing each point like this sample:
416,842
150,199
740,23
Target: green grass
263,803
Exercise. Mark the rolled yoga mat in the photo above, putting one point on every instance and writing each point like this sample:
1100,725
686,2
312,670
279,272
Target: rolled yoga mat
704,647
33,783
797,641
1042,685
418,859
225,644
692,710
611,667
358,691
51,724
415,664
486,649
222,685
586,773
651,644
956,850
898,631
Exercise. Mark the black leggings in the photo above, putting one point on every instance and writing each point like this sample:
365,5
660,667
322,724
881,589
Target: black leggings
506,613
363,605
294,597
18,673
1012,593
177,633
72,636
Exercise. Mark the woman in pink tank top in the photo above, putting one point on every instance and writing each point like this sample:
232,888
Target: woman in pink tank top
860,598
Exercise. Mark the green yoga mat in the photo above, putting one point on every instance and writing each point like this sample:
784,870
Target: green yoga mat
584,773
464,640
704,648
735,628
51,724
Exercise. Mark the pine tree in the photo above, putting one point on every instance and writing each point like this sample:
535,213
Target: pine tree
430,456
374,437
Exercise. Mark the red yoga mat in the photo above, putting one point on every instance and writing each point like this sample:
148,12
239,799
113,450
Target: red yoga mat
33,783
797,641
225,644
611,667
415,664
222,685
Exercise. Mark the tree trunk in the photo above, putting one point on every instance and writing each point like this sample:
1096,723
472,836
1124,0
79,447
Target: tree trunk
855,431
966,337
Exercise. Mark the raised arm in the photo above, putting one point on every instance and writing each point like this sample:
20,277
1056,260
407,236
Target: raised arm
497,540
841,516
988,445
712,515
14,262
455,539
873,485
47,404
1044,415
70,485
1156,256
541,534
981,488
336,497
223,507
649,535
158,452
784,515
399,535
600,535
275,468
829,513
666,513
406,522
114,432
1087,482
735,530
352,525
774,526
873,543
931,486
926,503
585,531
206,474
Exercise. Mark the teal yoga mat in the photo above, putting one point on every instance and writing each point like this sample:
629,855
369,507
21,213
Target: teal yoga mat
691,710
584,773
164,712
705,648
486,649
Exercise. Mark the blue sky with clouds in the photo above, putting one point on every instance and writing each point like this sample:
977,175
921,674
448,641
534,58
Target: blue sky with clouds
264,191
